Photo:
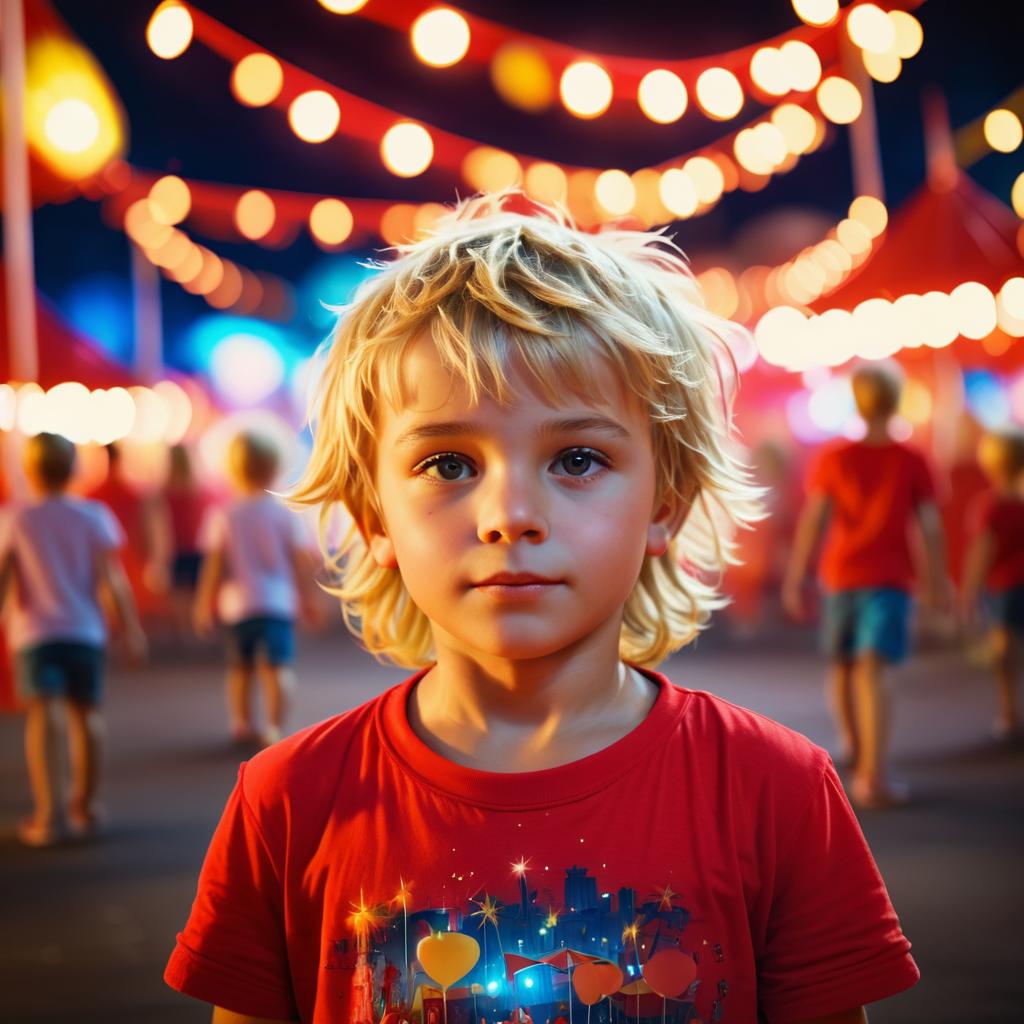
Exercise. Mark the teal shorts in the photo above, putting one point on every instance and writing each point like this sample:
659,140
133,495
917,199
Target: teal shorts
866,620
71,671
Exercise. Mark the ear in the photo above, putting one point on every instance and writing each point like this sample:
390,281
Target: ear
382,550
667,522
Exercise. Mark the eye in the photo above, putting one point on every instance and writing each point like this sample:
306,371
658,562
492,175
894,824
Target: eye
579,461
446,466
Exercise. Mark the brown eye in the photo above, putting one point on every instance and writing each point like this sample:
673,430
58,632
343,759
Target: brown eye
448,467
576,463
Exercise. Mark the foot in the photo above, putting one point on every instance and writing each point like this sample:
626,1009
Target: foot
271,734
878,794
243,733
40,834
85,822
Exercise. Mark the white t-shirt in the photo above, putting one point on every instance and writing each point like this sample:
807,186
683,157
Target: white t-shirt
56,544
256,537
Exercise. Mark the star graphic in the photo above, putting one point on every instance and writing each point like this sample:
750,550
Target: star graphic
552,919
666,898
488,912
520,866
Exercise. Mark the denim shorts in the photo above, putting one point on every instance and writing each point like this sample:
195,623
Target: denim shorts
272,635
65,669
185,569
1005,608
867,620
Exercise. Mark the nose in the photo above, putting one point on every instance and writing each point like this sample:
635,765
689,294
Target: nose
511,508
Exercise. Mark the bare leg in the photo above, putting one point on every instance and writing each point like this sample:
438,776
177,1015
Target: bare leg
44,756
840,685
239,698
86,736
1004,648
278,687
871,787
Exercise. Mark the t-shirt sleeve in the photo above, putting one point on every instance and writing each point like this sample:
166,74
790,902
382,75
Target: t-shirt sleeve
232,951
819,473
922,480
833,941
109,532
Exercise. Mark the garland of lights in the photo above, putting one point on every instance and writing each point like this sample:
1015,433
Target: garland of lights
524,66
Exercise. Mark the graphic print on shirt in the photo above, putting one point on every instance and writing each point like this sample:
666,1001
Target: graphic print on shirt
588,954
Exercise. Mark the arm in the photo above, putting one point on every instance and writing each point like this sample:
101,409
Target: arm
938,590
813,517
977,562
210,576
112,579
857,1016
158,538
222,1016
304,567
8,573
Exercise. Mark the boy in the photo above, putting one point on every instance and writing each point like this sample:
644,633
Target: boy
520,418
256,570
995,561
864,495
57,554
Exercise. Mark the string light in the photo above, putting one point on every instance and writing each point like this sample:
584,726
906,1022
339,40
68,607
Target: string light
257,80
678,192
1003,130
803,66
169,200
706,175
407,149
662,96
255,214
839,100
330,222
586,89
719,94
491,170
169,31
871,212
615,191
522,77
909,34
343,6
72,126
440,37
816,12
546,182
882,67
314,116
798,126
1017,197
871,28
769,71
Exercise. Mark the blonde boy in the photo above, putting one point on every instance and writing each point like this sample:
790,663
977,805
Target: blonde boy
523,422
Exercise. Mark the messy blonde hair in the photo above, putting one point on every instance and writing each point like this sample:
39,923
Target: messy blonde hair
877,388
1001,454
495,288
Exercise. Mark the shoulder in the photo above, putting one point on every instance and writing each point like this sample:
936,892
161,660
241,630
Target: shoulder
754,747
293,783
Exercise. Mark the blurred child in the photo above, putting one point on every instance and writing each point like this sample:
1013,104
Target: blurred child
995,562
864,496
257,571
57,553
174,516
520,417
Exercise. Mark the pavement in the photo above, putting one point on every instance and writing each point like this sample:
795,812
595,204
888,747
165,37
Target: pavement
85,931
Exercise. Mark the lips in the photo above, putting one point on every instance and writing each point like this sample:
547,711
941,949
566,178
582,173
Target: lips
515,579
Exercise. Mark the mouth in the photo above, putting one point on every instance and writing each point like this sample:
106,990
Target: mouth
516,579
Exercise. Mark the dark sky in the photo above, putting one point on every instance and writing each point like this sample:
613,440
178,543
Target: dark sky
183,118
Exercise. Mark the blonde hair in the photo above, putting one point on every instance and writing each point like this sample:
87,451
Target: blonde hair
492,288
877,388
52,457
253,459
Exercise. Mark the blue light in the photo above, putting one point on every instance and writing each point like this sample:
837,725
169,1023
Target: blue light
629,967
332,282
492,986
528,982
100,306
986,398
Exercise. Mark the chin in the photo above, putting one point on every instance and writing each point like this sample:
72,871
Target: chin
522,644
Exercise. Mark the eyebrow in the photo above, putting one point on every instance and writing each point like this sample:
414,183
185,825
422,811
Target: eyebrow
549,428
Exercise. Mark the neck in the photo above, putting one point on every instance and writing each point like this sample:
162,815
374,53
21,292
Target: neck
877,432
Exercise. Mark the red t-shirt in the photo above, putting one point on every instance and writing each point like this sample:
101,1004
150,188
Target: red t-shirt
874,491
713,830
1003,517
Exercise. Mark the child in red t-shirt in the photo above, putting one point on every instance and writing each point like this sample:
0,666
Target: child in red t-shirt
523,421
864,496
995,563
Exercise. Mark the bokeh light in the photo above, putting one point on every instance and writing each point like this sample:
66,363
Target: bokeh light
257,80
490,170
797,126
871,28
546,182
343,6
169,200
169,31
330,222
314,116
522,77
615,192
1017,196
974,307
839,100
871,212
803,66
678,192
586,89
769,71
72,126
707,178
246,369
254,214
909,34
882,67
1003,130
719,94
662,96
440,37
816,12
407,149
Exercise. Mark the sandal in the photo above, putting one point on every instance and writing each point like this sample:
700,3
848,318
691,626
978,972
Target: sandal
39,834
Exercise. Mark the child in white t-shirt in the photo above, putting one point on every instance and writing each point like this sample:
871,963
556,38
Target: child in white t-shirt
56,554
257,572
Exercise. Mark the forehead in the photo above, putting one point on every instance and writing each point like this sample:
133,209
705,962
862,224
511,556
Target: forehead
428,387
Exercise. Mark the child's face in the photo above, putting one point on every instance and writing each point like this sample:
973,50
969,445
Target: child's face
563,493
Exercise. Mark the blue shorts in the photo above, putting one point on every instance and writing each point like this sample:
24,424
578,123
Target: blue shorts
868,619
65,669
273,635
185,569
1005,608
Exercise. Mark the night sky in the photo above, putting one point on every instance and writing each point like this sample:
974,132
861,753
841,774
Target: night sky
183,119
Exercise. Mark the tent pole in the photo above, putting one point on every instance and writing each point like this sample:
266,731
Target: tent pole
148,318
19,266
865,155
